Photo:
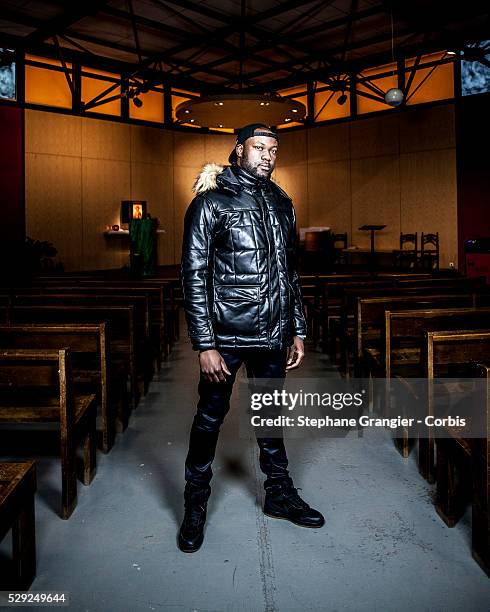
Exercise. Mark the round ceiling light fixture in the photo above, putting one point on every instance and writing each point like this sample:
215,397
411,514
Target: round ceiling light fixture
235,110
394,96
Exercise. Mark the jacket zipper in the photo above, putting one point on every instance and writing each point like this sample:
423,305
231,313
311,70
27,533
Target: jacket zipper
262,208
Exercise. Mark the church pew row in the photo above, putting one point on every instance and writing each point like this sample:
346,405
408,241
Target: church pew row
91,365
369,320
142,343
399,352
329,317
165,302
445,353
121,327
463,474
17,490
37,388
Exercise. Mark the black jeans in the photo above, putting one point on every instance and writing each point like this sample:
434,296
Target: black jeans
213,405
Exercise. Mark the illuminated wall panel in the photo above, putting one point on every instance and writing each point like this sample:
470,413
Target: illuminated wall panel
152,109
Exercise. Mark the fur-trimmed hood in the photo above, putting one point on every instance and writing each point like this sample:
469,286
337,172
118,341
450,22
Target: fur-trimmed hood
216,176
206,181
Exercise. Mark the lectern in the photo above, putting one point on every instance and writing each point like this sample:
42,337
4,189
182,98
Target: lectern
372,229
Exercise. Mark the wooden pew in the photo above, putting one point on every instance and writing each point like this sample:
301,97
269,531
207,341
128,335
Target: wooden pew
142,342
37,387
404,335
90,352
17,490
342,325
441,350
463,473
370,317
122,330
158,290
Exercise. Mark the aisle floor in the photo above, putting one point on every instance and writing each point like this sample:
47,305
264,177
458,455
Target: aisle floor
383,546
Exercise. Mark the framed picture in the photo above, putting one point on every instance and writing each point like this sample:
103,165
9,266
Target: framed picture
132,209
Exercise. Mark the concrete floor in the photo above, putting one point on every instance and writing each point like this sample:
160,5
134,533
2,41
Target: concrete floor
383,546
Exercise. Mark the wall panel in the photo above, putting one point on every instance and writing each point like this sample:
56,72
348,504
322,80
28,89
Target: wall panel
375,185
54,204
104,184
428,198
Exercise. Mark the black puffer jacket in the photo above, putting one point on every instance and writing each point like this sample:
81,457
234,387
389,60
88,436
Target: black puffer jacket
239,281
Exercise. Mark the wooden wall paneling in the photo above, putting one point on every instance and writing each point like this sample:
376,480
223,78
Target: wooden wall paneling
428,197
292,149
105,140
189,149
375,185
52,133
329,197
184,178
151,145
104,184
54,204
427,128
374,136
154,183
328,143
218,148
294,181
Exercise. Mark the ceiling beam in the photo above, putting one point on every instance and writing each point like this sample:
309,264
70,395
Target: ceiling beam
272,39
64,20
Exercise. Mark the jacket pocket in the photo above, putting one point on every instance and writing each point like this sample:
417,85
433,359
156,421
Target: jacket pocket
236,310
238,293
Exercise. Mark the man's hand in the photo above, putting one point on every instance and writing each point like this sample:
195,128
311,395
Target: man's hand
213,366
296,353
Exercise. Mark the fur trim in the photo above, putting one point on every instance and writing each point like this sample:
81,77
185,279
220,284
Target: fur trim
207,179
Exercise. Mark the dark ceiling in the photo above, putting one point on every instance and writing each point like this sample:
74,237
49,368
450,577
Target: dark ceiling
248,45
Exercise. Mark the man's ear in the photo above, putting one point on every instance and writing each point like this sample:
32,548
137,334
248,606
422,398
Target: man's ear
239,151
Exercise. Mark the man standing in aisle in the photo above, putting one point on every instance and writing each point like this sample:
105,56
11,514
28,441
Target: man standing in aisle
243,304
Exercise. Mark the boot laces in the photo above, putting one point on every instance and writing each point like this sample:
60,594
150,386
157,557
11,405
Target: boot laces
291,494
194,515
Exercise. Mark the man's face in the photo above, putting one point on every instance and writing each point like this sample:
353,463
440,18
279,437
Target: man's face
257,155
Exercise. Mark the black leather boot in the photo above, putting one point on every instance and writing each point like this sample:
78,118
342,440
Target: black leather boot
285,503
191,533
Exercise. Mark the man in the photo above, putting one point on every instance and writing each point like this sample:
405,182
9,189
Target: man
243,303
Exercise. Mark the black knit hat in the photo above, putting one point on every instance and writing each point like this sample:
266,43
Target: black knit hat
247,132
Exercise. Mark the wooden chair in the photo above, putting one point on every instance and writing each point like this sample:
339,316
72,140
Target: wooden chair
17,490
339,242
463,474
429,257
407,258
37,387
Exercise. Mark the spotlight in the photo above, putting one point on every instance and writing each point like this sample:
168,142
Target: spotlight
145,87
218,103
287,119
294,110
187,111
191,120
342,99
264,103
137,102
